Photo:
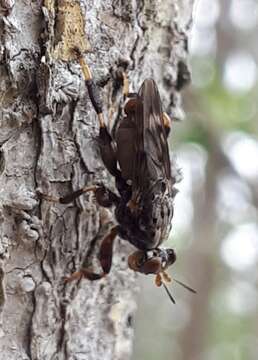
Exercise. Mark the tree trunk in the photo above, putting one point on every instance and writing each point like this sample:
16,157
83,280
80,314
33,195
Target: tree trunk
48,142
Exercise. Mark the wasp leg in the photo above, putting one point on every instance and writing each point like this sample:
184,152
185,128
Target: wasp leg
105,258
104,196
167,122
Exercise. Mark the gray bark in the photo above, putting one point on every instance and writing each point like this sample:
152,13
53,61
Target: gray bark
48,142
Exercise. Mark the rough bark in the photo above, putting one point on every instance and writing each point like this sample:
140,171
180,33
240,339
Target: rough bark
48,142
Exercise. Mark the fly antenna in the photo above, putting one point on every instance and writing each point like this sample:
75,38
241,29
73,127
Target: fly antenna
169,294
185,286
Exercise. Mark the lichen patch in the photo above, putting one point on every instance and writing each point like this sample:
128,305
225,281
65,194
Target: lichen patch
69,28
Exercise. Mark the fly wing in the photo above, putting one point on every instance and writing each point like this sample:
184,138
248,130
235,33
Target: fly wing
153,183
152,163
131,153
128,139
141,139
154,133
125,139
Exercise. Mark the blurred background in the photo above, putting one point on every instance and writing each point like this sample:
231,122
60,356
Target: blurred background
215,228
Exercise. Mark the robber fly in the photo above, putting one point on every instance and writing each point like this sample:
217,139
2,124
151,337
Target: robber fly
138,158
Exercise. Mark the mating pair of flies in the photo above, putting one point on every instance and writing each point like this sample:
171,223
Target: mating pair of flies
138,158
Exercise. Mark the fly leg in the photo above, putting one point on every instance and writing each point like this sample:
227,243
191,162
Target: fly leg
92,89
105,259
106,143
104,196
108,147
125,85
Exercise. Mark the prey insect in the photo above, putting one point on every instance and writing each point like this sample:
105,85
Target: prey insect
138,158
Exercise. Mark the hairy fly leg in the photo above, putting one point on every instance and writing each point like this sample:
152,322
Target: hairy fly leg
104,196
105,258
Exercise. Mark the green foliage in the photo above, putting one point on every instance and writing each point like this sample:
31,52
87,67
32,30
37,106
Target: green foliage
195,134
214,107
227,109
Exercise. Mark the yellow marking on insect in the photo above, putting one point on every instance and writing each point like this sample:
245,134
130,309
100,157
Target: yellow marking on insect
85,68
87,76
166,120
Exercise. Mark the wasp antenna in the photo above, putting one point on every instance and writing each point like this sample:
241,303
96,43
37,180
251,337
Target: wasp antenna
185,286
169,294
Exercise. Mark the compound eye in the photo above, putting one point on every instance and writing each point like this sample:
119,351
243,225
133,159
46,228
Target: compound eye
152,266
138,262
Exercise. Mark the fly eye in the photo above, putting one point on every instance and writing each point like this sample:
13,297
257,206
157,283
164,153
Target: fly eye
136,260
152,266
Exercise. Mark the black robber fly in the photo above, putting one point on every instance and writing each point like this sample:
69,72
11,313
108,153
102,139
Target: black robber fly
138,158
